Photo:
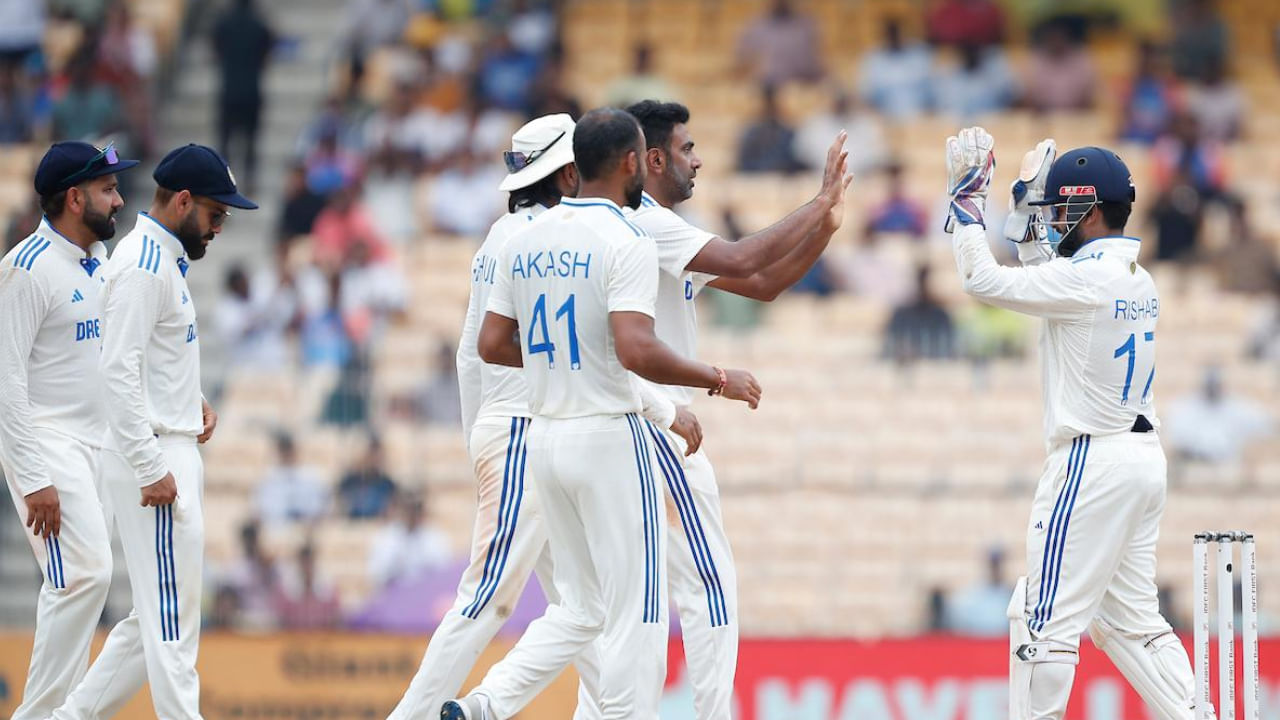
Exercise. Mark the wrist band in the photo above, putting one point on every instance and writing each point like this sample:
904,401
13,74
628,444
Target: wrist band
719,388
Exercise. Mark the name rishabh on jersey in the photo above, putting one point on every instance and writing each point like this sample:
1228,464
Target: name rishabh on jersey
1099,340
676,320
50,344
559,278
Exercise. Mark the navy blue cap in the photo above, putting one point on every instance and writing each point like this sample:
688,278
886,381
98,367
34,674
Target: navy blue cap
67,164
1091,173
200,171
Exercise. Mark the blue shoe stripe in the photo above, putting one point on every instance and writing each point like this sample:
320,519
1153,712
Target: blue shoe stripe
519,461
1062,536
1046,565
649,505
490,561
693,530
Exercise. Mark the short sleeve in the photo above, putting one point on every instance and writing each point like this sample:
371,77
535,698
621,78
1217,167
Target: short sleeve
633,277
500,301
676,240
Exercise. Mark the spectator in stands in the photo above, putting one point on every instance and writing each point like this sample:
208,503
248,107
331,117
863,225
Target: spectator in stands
896,79
373,291
988,332
343,225
290,492
898,213
21,220
127,59
644,83
87,109
252,578
1178,214
330,167
1183,155
242,40
323,336
506,74
464,198
17,106
768,144
551,93
407,546
1060,75
439,401
339,126
979,610
301,206
371,24
1151,98
814,135
1217,103
880,272
21,29
366,490
1264,336
224,610
532,26
980,84
397,135
963,23
1211,426
253,321
304,601
921,328
1247,263
781,46
1200,38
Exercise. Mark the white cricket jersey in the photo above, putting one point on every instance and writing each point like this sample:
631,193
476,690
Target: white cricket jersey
559,279
676,319
50,343
490,391
150,347
1098,345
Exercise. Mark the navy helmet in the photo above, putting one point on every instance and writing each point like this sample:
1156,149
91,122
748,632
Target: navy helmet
1079,180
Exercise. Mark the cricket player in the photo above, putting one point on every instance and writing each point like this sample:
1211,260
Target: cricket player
760,266
1091,539
510,541
153,474
52,420
573,303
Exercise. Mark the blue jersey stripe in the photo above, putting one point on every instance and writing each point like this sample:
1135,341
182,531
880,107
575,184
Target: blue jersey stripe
26,249
142,256
1062,540
31,259
678,484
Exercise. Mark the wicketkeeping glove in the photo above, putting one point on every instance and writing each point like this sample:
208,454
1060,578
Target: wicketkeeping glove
970,163
1029,188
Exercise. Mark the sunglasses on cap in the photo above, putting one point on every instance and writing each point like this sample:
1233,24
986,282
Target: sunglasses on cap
517,161
107,153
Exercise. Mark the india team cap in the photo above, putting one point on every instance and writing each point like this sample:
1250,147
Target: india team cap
200,171
542,146
67,164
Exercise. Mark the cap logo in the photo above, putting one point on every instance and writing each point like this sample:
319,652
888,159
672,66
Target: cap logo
1072,190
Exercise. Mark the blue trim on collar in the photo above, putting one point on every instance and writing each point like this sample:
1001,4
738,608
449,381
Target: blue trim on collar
160,225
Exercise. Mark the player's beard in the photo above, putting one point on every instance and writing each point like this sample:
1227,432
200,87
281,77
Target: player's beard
635,190
684,184
102,224
193,241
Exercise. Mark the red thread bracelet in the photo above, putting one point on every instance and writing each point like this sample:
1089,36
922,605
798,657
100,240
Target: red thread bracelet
719,388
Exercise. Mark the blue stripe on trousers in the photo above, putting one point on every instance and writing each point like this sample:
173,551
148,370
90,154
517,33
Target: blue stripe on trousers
173,576
58,567
693,531
495,544
1055,544
518,461
649,507
161,571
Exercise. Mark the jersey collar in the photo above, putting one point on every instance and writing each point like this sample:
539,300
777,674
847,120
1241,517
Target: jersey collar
1122,245
66,246
162,235
589,201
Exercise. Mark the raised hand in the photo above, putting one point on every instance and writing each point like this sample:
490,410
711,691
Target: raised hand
971,160
1029,188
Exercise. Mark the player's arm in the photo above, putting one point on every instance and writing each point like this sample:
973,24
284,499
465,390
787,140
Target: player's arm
769,283
25,306
657,408
499,338
1033,248
129,317
757,251
469,367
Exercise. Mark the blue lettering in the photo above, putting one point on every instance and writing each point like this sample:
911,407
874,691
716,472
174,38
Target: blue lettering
191,333
585,265
517,268
688,289
541,264
1134,309
87,330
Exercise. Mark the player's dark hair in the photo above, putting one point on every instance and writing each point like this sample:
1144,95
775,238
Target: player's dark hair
658,120
601,139
545,192
1115,215
163,195
53,205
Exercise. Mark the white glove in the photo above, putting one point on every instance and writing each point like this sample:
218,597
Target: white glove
1029,188
970,163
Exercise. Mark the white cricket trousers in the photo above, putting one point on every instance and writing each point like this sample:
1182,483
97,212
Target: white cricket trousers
704,583
164,552
77,574
509,542
604,522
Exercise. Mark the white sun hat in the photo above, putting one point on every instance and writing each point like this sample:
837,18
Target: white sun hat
540,147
